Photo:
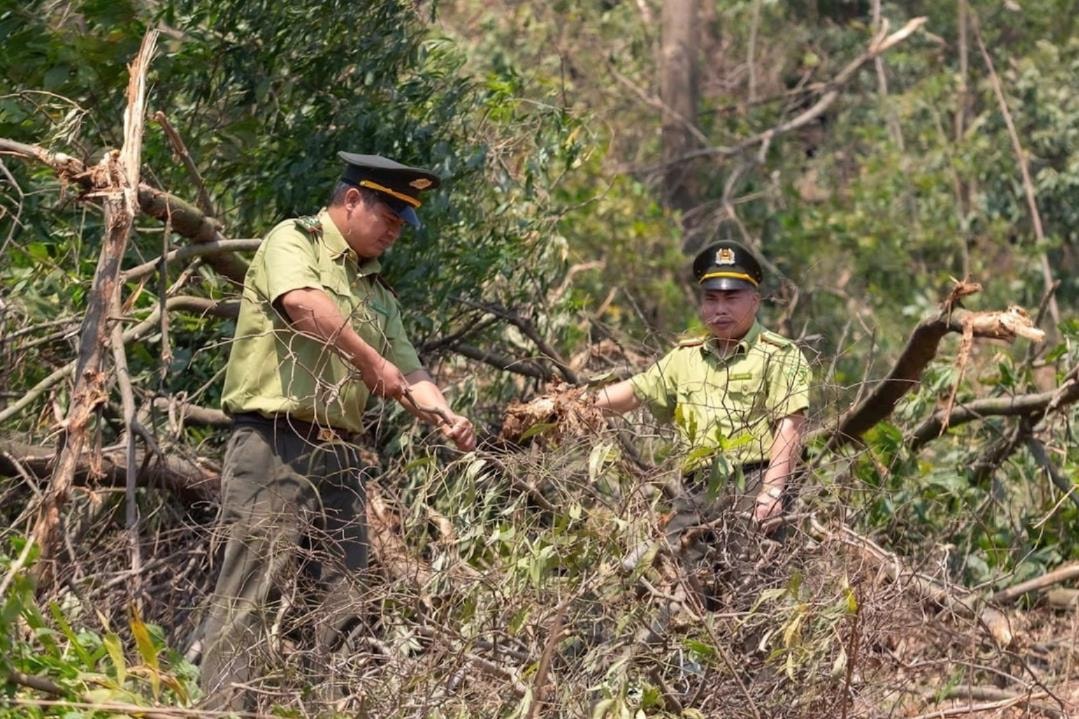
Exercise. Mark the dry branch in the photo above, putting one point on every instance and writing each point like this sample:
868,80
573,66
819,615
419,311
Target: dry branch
226,309
1061,574
994,621
920,349
116,180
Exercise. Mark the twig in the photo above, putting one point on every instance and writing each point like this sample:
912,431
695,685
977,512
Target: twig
180,150
1021,159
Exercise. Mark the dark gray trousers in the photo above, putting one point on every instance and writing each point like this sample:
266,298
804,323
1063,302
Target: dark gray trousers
291,509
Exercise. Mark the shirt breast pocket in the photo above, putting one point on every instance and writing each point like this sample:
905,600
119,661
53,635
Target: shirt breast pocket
744,393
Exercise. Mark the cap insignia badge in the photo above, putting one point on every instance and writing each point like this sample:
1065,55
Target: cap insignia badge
725,256
420,183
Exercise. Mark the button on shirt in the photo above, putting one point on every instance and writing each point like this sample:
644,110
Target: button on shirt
273,369
729,404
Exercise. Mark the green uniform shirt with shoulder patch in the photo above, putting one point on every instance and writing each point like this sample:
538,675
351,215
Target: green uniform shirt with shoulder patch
731,404
273,369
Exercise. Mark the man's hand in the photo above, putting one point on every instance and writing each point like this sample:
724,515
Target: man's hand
459,430
769,505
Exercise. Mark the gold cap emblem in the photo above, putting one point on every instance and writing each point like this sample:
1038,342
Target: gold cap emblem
725,256
420,183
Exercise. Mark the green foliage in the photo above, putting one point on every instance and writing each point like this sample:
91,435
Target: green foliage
84,670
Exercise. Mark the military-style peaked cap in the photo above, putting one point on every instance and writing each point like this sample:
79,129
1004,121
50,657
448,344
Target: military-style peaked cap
727,265
399,186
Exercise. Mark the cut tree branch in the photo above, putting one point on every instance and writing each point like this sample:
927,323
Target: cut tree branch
919,351
116,180
186,219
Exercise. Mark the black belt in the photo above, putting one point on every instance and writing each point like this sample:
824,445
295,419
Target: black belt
318,433
702,474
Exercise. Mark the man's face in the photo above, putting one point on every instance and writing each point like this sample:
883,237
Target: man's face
729,314
371,226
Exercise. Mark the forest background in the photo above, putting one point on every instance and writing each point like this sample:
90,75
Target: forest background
883,157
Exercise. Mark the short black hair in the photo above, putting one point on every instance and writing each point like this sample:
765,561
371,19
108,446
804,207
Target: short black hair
337,197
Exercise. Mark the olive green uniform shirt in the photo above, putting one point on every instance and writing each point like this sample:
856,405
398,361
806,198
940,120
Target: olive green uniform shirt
727,405
273,369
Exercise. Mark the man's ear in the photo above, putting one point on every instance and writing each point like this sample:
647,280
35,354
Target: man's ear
353,198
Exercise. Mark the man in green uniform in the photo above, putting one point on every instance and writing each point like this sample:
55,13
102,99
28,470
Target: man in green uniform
318,334
738,396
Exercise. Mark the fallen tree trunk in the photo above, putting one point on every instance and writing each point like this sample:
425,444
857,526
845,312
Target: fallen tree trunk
191,480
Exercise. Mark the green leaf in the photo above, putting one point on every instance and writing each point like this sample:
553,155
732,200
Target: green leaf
147,651
116,654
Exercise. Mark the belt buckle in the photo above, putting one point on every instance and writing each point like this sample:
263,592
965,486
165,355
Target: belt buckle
328,434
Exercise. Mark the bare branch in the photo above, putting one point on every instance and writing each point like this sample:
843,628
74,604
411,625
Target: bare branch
1012,406
920,349
179,148
208,249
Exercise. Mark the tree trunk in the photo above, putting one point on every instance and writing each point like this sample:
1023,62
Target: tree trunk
678,92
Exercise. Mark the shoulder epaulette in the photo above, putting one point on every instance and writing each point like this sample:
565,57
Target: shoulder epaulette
773,339
309,225
692,341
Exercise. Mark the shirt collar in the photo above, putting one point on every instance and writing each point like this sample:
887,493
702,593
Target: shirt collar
744,345
338,247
